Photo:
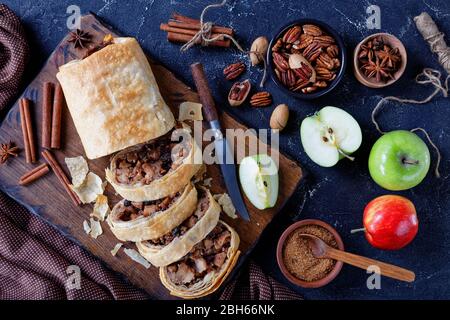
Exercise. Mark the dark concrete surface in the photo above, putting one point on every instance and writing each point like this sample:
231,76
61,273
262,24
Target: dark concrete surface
336,195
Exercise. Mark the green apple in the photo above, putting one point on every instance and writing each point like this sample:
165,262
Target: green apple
330,135
258,175
399,160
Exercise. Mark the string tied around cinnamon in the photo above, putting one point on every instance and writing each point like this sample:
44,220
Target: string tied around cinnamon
204,37
427,76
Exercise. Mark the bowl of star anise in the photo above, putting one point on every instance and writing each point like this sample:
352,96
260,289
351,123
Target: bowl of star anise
379,60
307,58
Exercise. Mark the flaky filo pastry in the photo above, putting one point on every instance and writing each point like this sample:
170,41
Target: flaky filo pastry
140,221
157,168
113,98
179,241
203,270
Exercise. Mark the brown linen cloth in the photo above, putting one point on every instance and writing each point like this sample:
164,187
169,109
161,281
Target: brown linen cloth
34,257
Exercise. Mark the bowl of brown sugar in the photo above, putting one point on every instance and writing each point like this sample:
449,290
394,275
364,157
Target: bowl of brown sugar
296,260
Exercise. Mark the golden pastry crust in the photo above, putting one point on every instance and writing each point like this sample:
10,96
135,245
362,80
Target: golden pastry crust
160,256
212,281
156,225
114,99
168,184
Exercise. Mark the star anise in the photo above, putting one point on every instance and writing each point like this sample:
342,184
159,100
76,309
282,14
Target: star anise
367,52
369,49
392,56
79,38
7,150
377,69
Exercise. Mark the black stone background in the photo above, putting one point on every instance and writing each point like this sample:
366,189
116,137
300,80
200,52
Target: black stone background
336,195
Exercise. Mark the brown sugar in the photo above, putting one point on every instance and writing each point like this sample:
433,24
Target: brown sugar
299,259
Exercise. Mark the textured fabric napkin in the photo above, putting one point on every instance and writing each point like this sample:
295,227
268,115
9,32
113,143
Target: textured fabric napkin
34,257
13,54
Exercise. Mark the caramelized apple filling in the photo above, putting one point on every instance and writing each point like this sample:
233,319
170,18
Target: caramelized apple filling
129,210
150,162
202,206
207,256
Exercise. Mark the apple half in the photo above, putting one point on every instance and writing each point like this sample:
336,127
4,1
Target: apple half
258,175
330,135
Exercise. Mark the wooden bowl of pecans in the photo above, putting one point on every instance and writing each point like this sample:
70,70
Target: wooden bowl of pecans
379,60
306,59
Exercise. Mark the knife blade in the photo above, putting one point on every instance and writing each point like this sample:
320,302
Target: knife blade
223,151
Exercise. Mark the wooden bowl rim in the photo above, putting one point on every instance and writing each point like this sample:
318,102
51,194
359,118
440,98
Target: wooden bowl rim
309,284
398,74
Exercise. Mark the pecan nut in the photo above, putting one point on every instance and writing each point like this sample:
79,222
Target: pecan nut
239,93
288,78
234,70
325,61
312,52
324,41
281,63
333,51
292,35
261,99
305,40
312,30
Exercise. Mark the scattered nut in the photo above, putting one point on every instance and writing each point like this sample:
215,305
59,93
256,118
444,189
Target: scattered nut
234,70
260,46
261,99
239,93
279,118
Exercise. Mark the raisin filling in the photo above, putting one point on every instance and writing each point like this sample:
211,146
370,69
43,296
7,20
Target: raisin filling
130,210
202,206
150,162
206,256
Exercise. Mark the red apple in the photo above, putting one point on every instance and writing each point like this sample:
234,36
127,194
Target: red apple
390,222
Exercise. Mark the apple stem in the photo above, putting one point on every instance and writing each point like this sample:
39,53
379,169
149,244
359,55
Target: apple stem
357,230
412,162
346,155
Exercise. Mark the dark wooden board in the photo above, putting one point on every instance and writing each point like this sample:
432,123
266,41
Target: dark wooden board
47,198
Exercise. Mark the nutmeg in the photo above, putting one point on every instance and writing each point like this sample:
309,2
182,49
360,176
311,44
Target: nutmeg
279,118
260,45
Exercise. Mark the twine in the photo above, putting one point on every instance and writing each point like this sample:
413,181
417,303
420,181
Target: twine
204,36
426,76
430,32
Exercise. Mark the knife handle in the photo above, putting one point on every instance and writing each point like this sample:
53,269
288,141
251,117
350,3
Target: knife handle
209,107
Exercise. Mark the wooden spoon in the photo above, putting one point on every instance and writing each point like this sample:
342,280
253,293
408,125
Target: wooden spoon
321,250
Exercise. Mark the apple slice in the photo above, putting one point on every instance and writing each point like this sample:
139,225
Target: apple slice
258,175
330,135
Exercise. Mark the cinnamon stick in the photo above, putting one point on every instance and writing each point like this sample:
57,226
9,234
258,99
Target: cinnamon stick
26,142
180,17
48,156
196,27
182,38
58,103
34,174
47,101
167,28
30,142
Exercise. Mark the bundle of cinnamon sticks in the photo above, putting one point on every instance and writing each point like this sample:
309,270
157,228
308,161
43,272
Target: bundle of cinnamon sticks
52,106
182,29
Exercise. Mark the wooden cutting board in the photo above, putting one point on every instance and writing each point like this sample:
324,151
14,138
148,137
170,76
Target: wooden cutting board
47,198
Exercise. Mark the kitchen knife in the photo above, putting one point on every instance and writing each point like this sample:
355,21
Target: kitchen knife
223,151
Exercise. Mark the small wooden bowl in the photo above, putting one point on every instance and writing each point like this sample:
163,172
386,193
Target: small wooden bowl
394,42
308,284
